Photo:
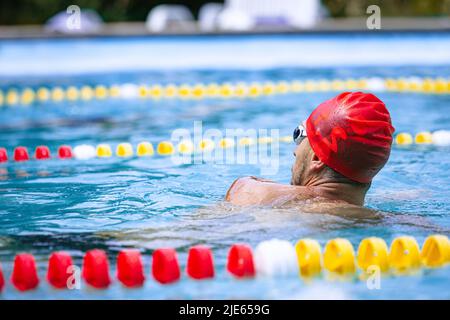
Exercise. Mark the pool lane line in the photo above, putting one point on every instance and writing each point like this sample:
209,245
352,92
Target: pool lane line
142,149
187,147
28,95
273,258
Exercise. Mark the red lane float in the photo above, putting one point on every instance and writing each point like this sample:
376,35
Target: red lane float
42,153
273,257
240,261
165,267
95,269
2,279
24,276
21,154
130,269
200,264
58,272
3,155
65,152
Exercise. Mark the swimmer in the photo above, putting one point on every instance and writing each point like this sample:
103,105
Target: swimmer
339,149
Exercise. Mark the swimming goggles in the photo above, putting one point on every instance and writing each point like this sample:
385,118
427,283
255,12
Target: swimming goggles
299,134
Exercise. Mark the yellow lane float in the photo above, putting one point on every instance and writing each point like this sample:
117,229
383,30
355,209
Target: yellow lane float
339,256
206,145
124,150
373,252
144,149
186,147
404,254
165,148
424,137
309,257
226,143
403,139
104,151
436,251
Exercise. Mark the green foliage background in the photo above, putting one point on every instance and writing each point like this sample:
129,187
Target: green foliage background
38,11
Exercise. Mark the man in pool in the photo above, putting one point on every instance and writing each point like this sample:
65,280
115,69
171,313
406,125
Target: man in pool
339,149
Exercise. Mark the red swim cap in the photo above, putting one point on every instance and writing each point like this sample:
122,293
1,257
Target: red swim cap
352,134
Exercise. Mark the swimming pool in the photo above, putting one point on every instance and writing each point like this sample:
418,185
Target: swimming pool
147,203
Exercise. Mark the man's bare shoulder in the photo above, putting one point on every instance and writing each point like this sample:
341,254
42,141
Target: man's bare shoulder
249,191
257,191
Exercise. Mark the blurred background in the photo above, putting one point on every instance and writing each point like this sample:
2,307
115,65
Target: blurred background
38,11
128,16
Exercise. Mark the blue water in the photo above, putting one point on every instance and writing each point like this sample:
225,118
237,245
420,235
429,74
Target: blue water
147,203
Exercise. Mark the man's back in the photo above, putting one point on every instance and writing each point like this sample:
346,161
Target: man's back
252,191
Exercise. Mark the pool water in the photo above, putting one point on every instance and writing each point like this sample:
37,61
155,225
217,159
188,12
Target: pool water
148,203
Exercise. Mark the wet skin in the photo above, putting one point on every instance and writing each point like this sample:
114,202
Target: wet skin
311,189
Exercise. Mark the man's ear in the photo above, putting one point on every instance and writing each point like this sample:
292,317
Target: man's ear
316,164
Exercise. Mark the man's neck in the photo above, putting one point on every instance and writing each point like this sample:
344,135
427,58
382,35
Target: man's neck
337,190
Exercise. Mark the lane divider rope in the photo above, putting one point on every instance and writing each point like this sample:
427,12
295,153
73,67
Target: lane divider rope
166,148
272,258
28,95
